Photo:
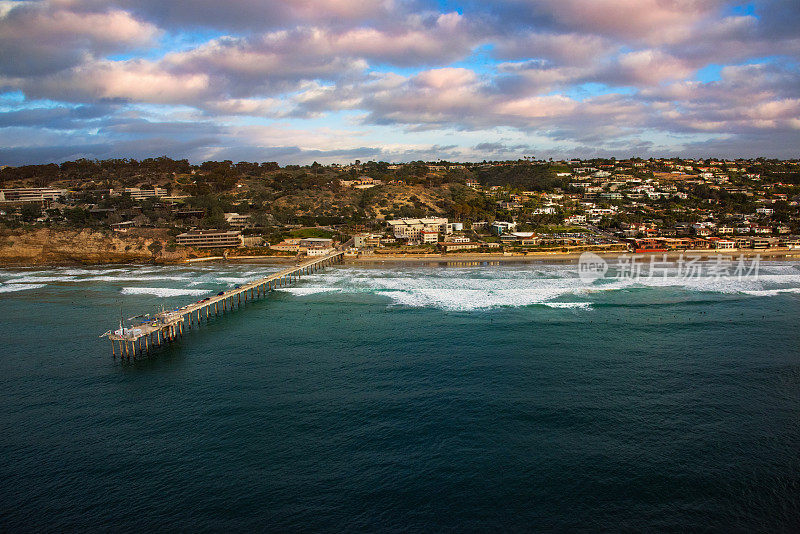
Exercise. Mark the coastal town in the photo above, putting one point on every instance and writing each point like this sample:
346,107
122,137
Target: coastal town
523,207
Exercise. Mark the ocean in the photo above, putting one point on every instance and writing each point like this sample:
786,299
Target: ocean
515,397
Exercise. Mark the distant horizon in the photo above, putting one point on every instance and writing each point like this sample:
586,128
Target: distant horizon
427,162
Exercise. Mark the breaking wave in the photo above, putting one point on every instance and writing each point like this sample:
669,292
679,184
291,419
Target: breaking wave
163,291
10,288
492,287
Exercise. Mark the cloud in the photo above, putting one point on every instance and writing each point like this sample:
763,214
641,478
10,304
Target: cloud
36,39
334,78
244,14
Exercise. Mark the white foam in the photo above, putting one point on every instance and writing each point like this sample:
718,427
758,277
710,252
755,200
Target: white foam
19,287
40,279
772,292
303,291
567,305
163,291
134,278
488,287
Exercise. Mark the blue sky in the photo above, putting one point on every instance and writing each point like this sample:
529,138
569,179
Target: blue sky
337,80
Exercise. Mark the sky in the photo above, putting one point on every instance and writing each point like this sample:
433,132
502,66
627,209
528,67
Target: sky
333,81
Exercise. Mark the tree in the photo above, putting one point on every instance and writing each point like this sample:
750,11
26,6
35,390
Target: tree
31,212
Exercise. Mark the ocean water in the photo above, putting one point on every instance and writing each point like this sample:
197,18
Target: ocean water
481,398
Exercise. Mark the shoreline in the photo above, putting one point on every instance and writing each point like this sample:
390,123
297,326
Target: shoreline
563,257
445,260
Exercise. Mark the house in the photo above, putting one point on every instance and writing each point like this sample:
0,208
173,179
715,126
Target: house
575,219
723,244
547,210
725,230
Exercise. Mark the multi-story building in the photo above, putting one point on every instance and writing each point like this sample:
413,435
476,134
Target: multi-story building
366,240
210,238
140,194
501,227
31,194
411,229
428,236
237,221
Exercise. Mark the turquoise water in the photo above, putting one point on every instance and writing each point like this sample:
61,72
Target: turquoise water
404,399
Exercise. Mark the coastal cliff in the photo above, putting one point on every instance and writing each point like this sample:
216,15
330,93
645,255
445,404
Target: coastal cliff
47,246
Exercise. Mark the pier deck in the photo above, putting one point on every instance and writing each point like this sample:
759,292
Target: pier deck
166,326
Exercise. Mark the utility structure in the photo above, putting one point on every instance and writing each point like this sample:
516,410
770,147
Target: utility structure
166,326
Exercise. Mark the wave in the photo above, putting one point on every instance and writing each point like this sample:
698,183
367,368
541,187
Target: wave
40,279
303,291
568,305
772,292
164,291
482,288
19,287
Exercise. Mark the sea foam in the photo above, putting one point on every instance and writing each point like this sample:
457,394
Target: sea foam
163,291
18,287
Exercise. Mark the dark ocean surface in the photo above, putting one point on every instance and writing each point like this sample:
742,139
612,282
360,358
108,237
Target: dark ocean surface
485,398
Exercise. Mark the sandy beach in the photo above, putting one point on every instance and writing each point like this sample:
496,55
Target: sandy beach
467,259
560,257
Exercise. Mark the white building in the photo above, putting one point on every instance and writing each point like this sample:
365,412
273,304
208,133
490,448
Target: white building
411,229
31,194
428,236
139,194
575,219
500,227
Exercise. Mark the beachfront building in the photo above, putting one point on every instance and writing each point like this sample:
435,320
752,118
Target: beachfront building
451,247
366,240
429,236
288,245
319,251
309,243
210,238
411,229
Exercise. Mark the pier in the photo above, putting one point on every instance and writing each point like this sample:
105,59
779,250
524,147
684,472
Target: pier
167,326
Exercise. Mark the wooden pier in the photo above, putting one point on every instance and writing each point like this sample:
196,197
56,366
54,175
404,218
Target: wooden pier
167,326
